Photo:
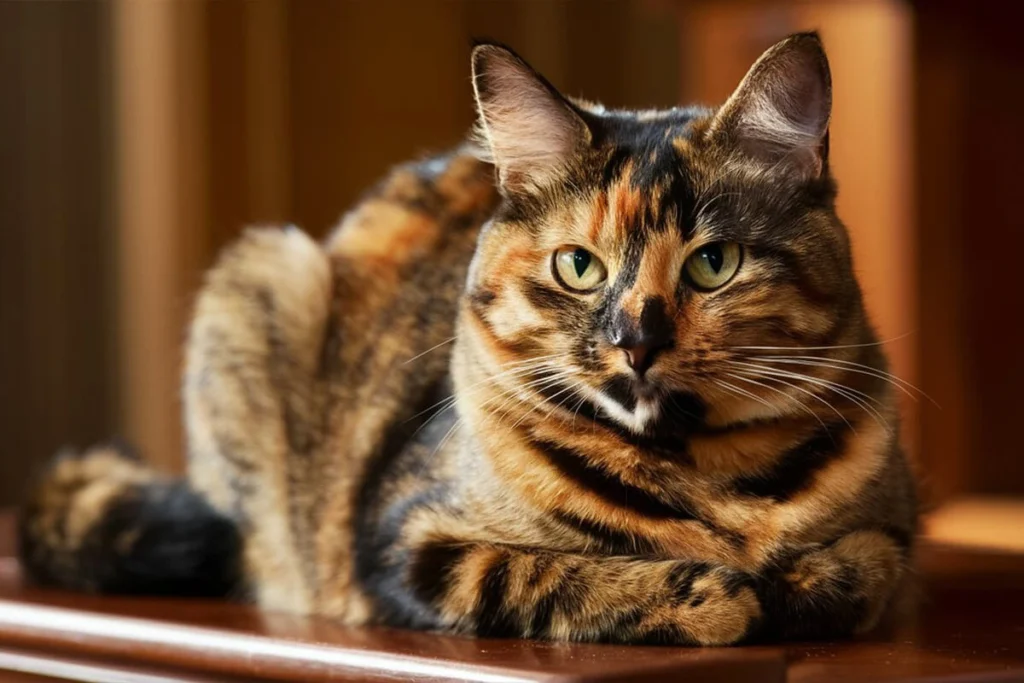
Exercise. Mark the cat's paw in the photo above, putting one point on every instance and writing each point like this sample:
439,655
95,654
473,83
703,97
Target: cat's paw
706,606
719,607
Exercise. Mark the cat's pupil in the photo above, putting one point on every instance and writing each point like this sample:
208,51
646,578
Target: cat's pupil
714,256
580,261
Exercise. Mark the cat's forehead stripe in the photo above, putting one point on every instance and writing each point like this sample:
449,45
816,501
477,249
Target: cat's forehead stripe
598,216
659,266
648,175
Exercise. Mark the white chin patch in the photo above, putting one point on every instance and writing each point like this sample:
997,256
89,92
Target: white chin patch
635,420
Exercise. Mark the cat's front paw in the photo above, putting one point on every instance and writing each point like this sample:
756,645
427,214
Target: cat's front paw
714,605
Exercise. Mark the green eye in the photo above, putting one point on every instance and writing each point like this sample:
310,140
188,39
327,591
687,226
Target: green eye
577,269
713,265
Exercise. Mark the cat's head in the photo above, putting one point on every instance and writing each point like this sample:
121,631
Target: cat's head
639,258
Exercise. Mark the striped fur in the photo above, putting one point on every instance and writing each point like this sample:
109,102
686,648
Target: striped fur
417,423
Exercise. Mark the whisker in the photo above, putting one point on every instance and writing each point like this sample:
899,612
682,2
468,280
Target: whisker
536,384
453,401
846,392
860,368
583,399
574,389
432,348
744,392
511,393
490,379
813,395
828,384
821,348
784,395
534,408
547,356
447,436
451,404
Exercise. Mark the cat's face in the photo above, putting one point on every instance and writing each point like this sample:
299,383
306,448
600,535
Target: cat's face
640,259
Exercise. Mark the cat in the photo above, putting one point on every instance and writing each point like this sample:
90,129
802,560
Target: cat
596,375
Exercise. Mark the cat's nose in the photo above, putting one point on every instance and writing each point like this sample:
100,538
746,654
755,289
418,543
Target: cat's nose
642,339
640,350
640,357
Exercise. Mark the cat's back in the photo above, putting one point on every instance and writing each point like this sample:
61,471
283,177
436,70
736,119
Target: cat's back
399,261
420,209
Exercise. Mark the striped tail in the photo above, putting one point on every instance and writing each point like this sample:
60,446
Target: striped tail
103,522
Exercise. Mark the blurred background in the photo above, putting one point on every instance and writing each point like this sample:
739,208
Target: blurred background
139,136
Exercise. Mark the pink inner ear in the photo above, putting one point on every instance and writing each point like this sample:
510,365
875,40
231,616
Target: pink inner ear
781,109
529,131
766,131
788,112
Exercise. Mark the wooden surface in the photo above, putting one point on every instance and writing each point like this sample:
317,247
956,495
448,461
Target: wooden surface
970,627
983,522
233,639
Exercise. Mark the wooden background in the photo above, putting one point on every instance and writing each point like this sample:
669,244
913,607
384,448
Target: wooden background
58,234
137,138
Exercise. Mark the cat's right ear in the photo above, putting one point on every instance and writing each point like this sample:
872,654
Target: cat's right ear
780,112
528,130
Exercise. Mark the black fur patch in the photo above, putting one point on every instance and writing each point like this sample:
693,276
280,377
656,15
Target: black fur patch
482,298
681,578
795,470
492,616
543,611
831,609
612,541
607,486
166,540
903,538
430,569
620,390
550,299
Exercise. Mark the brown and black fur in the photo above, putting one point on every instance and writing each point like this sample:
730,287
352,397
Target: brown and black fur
415,424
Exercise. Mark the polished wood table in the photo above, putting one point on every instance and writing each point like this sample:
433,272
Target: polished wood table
970,627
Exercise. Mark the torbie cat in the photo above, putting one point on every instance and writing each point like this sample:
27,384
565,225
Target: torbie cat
670,419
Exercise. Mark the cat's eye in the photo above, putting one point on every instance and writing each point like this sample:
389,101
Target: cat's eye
713,265
577,269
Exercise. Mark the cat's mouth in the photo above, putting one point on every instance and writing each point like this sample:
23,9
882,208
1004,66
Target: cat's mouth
633,401
646,388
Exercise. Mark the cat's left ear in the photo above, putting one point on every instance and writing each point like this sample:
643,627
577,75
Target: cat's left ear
780,112
529,130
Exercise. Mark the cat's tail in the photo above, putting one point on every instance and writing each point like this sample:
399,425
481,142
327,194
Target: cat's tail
103,522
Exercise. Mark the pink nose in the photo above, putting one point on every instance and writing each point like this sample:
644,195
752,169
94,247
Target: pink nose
640,358
641,338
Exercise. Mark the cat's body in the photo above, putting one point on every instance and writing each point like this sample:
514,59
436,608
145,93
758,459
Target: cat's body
644,458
